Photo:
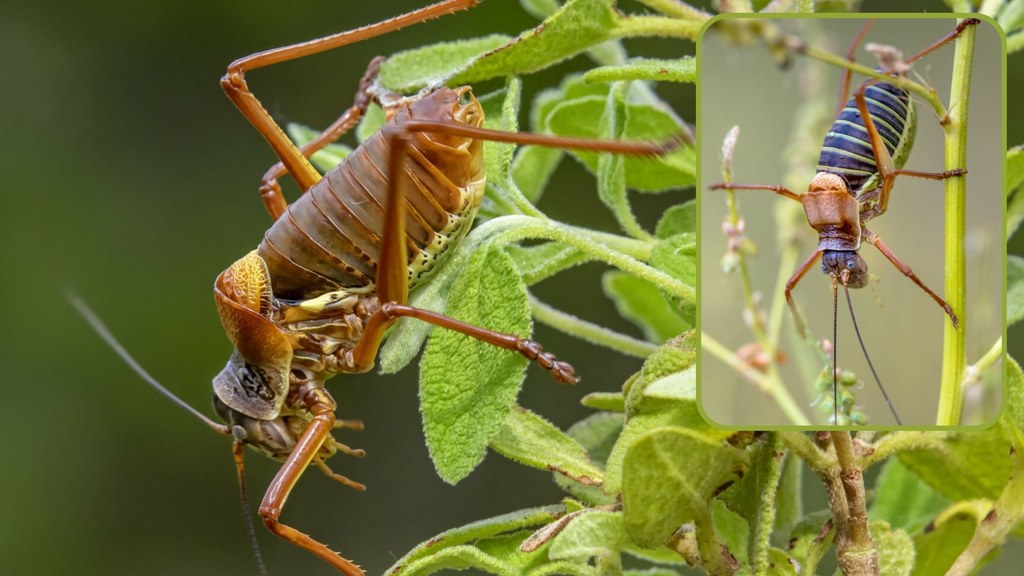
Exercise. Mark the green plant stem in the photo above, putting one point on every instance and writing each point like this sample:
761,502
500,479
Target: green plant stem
856,552
711,546
769,386
975,371
954,357
639,249
630,26
677,9
924,92
589,331
904,440
805,449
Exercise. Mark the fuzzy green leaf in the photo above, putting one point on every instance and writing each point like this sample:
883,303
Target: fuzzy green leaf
733,529
676,386
522,519
1012,419
458,558
501,112
325,159
975,465
677,220
531,440
611,177
895,549
592,534
642,303
411,70
1014,289
578,25
782,564
810,539
675,169
677,257
902,500
669,476
753,497
611,401
675,356
681,70
1014,213
597,434
468,387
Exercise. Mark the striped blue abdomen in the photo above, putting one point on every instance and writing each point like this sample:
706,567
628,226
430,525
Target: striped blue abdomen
847,148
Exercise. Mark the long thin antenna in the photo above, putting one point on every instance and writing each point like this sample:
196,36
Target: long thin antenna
104,333
868,358
238,448
835,352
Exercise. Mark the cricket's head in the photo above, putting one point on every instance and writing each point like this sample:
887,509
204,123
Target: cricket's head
256,378
847,267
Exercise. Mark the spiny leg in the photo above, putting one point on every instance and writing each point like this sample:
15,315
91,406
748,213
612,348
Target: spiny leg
777,189
322,408
873,239
270,188
392,280
238,91
792,282
960,26
844,90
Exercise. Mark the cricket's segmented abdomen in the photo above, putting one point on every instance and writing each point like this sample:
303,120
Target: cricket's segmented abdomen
330,238
847,148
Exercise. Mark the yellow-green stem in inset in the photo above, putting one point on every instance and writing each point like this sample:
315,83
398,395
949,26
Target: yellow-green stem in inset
954,357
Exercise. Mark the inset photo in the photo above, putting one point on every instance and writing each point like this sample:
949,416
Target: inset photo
851,228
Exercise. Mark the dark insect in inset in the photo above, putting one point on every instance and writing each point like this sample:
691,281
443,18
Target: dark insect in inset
863,152
334,271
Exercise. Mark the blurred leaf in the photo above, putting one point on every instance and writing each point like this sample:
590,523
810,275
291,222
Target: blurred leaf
409,71
532,169
593,534
1014,289
1014,213
902,500
531,440
678,219
681,70
643,122
669,476
1012,16
468,387
1012,419
370,123
1014,168
642,303
325,159
895,549
540,9
522,519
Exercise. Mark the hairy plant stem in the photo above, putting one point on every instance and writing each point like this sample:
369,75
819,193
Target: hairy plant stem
629,26
856,552
589,331
714,553
976,371
954,358
805,448
904,440
677,9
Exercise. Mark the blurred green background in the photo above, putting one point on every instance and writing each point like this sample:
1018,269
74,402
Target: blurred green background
131,178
